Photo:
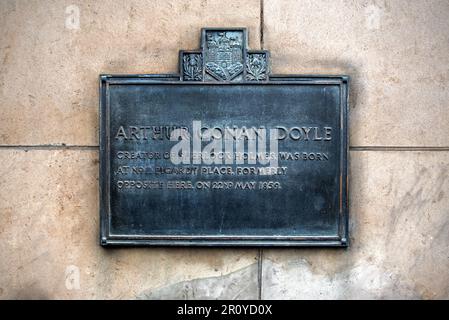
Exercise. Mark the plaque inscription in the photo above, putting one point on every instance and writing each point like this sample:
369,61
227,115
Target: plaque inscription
223,153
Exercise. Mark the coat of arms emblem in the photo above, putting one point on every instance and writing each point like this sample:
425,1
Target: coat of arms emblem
224,54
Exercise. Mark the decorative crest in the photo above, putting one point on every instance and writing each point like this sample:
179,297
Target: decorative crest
224,57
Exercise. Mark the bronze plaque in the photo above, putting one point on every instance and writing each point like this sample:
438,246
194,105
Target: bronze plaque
224,153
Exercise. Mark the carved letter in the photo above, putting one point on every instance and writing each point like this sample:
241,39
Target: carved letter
121,133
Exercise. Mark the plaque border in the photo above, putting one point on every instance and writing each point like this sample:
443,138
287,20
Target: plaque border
108,239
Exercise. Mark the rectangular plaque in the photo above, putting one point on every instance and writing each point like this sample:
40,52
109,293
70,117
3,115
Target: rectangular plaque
228,161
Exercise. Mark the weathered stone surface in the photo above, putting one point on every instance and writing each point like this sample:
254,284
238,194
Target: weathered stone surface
223,287
49,234
395,52
399,236
49,69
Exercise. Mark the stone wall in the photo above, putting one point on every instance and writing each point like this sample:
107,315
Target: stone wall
397,54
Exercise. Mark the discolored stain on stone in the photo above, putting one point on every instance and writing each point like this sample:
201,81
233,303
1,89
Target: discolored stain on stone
240,284
31,291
